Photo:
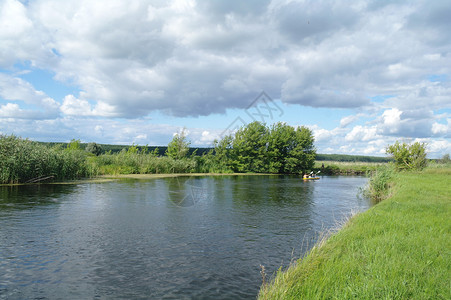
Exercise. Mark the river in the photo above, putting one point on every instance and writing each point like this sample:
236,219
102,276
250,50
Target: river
168,238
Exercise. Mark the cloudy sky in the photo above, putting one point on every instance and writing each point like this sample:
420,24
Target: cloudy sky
360,74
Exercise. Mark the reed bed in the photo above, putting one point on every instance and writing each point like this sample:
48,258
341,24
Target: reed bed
23,161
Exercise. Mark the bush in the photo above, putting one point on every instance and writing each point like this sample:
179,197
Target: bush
94,148
408,157
380,183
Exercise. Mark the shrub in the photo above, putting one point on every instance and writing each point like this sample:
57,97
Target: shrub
179,146
380,183
408,157
94,148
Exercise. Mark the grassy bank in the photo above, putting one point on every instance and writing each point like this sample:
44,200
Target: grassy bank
328,167
399,249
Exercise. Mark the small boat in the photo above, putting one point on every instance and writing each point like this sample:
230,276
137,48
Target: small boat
310,178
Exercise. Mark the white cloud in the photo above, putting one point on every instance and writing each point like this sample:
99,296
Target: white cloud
345,121
78,107
75,107
10,110
321,134
442,129
13,19
391,120
437,148
15,28
16,89
137,57
128,59
360,133
206,138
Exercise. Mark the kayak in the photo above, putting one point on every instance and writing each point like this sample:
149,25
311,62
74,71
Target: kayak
311,178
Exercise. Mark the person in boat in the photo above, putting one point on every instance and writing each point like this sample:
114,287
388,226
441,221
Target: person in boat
306,176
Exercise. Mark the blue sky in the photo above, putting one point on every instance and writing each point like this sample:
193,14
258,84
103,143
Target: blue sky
361,75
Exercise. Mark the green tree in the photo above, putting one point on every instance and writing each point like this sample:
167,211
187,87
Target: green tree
74,145
223,151
280,143
133,149
179,146
300,151
408,157
249,148
94,148
277,149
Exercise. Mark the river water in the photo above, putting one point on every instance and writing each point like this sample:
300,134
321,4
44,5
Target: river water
169,238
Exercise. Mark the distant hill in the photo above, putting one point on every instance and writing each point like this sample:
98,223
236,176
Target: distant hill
201,151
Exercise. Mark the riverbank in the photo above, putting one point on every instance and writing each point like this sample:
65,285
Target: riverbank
398,249
110,177
154,176
346,168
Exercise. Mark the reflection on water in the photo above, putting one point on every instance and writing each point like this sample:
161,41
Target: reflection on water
173,238
188,192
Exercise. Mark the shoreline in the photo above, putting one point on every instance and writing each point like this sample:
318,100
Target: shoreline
168,175
397,249
110,177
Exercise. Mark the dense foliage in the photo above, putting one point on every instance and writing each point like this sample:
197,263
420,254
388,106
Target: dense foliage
178,148
94,148
22,160
278,149
253,148
408,157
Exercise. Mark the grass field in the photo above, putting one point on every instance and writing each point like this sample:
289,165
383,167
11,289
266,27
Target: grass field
337,167
398,249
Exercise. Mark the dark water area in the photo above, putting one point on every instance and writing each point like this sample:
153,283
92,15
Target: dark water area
169,238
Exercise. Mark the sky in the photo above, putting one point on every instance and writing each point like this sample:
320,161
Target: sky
360,74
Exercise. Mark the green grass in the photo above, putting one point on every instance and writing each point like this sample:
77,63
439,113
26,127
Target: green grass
338,167
398,249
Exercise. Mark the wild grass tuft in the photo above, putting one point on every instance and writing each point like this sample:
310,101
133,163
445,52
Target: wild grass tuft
380,183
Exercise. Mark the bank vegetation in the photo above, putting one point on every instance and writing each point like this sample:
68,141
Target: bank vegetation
254,148
398,249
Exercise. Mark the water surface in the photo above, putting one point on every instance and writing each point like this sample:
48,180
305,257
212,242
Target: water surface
168,238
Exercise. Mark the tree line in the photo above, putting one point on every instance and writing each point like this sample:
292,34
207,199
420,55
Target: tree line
257,148
278,148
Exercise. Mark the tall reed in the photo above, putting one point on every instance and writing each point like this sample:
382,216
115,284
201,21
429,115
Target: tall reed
125,162
22,160
380,183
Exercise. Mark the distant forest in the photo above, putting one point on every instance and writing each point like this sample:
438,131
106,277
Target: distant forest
200,151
